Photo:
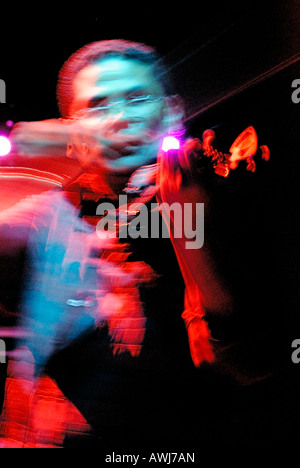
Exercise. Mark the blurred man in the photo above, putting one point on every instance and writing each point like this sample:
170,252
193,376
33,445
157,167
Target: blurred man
104,316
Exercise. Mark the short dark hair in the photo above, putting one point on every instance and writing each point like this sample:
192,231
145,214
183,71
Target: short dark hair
94,51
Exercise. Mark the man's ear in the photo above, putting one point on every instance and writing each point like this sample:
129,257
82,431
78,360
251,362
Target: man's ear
70,151
174,114
73,150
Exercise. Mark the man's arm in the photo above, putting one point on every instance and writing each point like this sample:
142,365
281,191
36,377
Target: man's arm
205,290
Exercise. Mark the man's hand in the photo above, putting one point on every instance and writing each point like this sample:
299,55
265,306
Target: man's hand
86,138
44,138
93,138
176,166
199,340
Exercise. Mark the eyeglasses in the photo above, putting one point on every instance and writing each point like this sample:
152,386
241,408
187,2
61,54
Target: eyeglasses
131,105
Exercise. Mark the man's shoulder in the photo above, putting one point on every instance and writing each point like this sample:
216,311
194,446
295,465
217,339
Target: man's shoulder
39,206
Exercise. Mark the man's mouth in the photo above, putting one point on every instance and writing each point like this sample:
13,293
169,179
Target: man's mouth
123,151
132,150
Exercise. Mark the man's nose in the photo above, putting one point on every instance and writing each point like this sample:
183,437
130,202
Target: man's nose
116,121
117,109
117,106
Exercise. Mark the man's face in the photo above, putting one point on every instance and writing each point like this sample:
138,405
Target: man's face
121,95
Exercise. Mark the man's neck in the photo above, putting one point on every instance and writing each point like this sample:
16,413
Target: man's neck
116,182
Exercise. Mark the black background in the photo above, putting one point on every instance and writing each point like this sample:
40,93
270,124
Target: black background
233,64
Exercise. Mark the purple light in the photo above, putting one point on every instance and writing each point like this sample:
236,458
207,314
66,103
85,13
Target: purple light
5,145
9,123
170,143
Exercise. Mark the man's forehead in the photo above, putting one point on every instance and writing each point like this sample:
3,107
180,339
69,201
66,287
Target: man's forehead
113,75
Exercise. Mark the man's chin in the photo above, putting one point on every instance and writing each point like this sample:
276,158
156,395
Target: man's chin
127,164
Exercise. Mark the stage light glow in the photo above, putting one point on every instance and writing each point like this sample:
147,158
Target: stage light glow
5,145
170,143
